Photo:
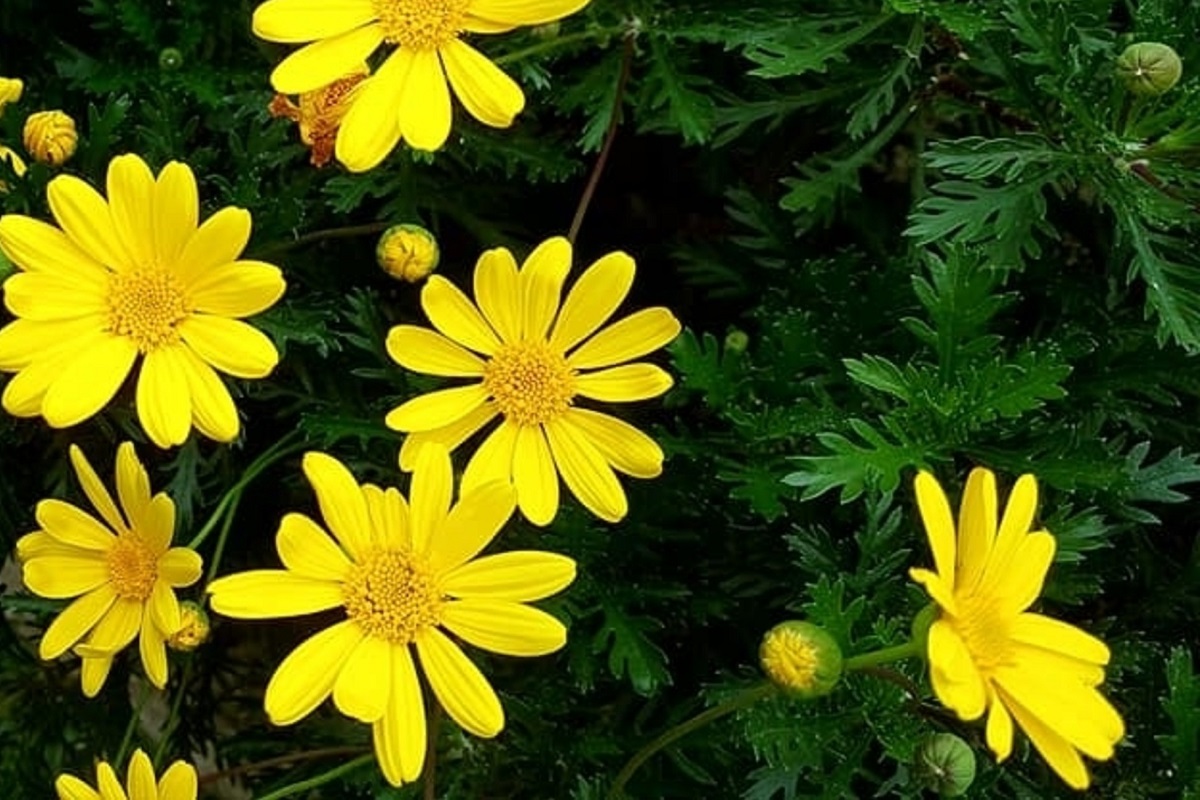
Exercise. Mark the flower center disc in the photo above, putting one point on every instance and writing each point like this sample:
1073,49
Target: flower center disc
146,305
392,595
790,659
531,383
421,24
132,568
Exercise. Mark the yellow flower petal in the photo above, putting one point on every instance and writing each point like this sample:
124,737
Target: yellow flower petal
23,341
42,296
1030,563
230,345
534,475
117,628
450,436
24,394
470,526
1018,517
176,211
93,673
238,289
452,313
133,484
519,575
429,495
488,94
504,627
473,24
59,577
937,589
593,299
424,100
999,730
939,525
106,779
389,517
438,409
976,527
624,384
497,291
140,778
180,567
365,681
586,473
323,62
39,247
307,675
540,281
72,526
40,543
309,20
459,685
213,411
131,203
73,623
95,490
1058,752
307,550
69,787
88,381
341,500
525,12
623,446
164,400
371,128
164,608
634,336
400,734
1059,637
422,350
956,679
270,593
493,461
179,781
157,526
1073,711
152,648
84,215
219,241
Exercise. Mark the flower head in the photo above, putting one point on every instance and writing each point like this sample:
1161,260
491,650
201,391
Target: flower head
193,630
408,97
532,360
401,572
10,91
50,137
127,278
121,568
319,113
407,252
987,652
179,782
801,658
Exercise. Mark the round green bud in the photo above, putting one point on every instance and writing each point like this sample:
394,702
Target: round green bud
407,252
1149,68
170,59
801,659
736,341
945,764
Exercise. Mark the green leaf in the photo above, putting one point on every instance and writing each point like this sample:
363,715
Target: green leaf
630,651
1182,705
705,366
1170,269
976,157
676,99
1154,483
855,467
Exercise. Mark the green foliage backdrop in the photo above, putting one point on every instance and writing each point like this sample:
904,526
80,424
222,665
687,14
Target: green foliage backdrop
927,233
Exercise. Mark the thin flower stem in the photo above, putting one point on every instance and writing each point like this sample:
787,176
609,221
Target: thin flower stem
222,537
346,232
143,696
429,790
281,761
318,780
613,123
746,697
886,655
173,718
561,41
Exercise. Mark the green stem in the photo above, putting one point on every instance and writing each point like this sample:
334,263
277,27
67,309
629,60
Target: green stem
132,726
318,780
561,41
741,700
173,718
885,656
346,232
222,537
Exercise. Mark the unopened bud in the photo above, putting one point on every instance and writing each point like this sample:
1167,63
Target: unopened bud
170,59
18,166
50,137
407,252
195,628
801,658
10,91
1149,68
736,341
945,764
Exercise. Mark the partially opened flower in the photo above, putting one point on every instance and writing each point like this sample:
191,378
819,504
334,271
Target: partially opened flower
402,572
130,277
319,113
409,95
531,361
177,783
121,568
987,652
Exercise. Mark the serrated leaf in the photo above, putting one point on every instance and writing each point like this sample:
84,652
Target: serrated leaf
854,467
631,653
1182,705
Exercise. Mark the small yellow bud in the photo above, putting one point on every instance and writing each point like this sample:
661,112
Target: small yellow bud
407,252
1149,68
10,91
801,658
195,628
14,161
50,137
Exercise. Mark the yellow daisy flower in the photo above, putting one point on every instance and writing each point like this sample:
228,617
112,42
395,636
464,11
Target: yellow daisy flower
402,572
127,277
408,97
987,652
122,570
177,783
537,359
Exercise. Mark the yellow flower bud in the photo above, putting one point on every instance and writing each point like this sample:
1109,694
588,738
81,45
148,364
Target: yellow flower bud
801,659
14,161
195,628
50,137
407,252
1149,68
10,91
